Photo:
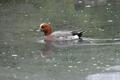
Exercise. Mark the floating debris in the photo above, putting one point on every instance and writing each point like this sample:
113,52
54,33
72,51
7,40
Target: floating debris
79,2
88,6
79,62
109,4
94,64
14,55
100,29
93,58
69,70
40,7
107,65
32,51
18,67
109,20
55,65
26,15
107,8
70,66
8,67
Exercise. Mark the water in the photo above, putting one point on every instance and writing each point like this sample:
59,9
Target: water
25,56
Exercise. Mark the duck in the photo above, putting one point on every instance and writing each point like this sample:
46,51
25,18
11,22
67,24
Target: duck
50,35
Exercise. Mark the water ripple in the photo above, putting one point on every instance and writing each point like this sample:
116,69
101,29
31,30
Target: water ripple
86,41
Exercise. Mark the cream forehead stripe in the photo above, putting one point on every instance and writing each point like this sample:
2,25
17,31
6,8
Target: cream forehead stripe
42,25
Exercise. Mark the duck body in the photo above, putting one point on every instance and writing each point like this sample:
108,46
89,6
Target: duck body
58,35
64,35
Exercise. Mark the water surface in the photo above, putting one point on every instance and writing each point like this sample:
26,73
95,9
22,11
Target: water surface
25,56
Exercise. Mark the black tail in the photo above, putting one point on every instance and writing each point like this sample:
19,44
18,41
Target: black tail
77,33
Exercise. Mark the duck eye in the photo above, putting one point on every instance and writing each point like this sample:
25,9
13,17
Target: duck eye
42,27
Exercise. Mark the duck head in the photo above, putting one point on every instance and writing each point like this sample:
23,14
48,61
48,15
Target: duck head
46,28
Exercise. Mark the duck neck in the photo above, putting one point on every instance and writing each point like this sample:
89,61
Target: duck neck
47,33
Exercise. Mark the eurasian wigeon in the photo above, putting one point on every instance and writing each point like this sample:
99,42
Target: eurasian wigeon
49,35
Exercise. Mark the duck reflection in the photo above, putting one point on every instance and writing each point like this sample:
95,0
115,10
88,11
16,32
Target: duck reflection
50,46
47,50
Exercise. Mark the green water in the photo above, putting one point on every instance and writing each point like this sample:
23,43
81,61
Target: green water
24,55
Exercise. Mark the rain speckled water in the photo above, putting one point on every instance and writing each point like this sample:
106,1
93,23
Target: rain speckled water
25,56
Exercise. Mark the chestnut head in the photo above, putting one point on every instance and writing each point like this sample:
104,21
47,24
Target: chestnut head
46,28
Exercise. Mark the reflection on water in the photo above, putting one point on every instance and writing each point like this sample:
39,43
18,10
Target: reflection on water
112,73
105,76
44,60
